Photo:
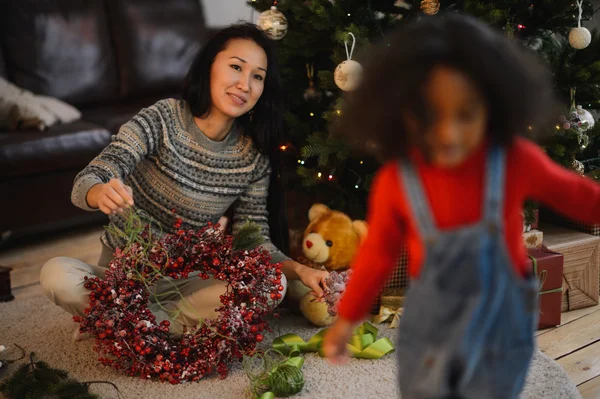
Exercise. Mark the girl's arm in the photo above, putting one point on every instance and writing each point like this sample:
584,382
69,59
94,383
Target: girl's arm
378,255
575,196
135,140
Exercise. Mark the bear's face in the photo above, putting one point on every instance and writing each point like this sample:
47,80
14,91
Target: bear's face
332,238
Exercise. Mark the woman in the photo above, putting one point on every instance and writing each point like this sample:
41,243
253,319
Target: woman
214,149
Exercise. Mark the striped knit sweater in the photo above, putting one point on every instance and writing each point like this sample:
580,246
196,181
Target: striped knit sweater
170,164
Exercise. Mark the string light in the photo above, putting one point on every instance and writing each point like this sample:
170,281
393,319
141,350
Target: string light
557,127
348,14
339,112
361,162
312,114
356,186
319,175
521,26
283,147
330,177
530,128
301,162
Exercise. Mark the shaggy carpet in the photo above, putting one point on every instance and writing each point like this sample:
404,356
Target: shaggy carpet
39,326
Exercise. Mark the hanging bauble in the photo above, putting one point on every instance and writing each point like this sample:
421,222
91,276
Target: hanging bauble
430,7
580,37
312,94
348,73
586,117
274,23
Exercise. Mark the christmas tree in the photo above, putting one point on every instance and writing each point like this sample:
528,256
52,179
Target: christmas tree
321,34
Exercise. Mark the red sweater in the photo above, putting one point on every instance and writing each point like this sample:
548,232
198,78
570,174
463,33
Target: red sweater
455,198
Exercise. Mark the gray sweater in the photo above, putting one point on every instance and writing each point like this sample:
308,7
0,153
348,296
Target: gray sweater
170,164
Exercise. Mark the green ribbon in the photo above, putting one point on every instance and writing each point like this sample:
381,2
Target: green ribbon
543,276
362,345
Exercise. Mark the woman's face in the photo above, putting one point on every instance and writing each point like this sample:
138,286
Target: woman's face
459,117
237,78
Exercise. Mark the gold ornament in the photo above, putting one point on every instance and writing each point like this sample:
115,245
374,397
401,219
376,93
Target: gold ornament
274,23
430,7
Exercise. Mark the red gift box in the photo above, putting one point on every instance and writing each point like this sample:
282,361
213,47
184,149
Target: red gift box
548,266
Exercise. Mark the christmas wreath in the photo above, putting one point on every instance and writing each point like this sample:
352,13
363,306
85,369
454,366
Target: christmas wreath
128,337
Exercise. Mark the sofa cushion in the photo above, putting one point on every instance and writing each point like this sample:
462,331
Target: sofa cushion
61,147
156,41
59,48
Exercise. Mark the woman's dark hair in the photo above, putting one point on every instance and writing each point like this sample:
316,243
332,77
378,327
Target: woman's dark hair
512,80
264,126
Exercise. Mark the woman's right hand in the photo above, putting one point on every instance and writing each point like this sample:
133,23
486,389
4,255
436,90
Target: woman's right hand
112,197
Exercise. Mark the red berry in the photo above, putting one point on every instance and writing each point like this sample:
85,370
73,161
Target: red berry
280,288
259,337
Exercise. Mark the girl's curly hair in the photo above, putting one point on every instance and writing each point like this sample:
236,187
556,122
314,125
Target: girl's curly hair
514,82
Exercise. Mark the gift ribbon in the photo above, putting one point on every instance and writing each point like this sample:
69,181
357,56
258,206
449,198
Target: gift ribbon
543,276
385,313
362,345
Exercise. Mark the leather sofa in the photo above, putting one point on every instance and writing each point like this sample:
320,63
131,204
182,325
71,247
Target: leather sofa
108,58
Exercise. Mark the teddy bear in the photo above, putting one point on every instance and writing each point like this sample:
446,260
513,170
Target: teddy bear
329,242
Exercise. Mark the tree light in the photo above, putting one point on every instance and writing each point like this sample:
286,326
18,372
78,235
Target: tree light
283,147
557,127
312,114
356,186
301,162
361,162
330,177
319,174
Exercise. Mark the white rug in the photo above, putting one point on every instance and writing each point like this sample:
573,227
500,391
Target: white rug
41,327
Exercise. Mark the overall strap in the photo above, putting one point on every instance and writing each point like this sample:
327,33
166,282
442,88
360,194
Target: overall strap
417,199
494,190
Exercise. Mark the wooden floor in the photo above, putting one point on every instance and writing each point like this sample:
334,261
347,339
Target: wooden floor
575,344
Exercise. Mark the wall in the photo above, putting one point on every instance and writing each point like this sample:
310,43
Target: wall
224,12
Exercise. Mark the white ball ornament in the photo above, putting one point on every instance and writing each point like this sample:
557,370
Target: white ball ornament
274,23
347,75
580,38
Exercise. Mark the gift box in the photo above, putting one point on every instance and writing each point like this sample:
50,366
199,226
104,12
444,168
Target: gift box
397,281
550,217
548,267
393,298
581,264
391,308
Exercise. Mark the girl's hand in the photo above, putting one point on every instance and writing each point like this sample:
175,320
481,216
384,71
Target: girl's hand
314,279
111,197
335,341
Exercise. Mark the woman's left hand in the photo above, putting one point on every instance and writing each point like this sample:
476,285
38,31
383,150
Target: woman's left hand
314,279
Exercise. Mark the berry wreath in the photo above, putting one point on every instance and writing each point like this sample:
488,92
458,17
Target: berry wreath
127,335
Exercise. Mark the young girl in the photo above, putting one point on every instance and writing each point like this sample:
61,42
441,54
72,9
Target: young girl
444,103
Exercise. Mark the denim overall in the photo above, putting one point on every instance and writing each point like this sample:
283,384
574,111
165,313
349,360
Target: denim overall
468,324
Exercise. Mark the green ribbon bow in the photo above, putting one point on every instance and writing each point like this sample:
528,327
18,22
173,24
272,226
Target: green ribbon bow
362,345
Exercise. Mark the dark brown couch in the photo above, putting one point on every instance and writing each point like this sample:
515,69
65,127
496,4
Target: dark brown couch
108,58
